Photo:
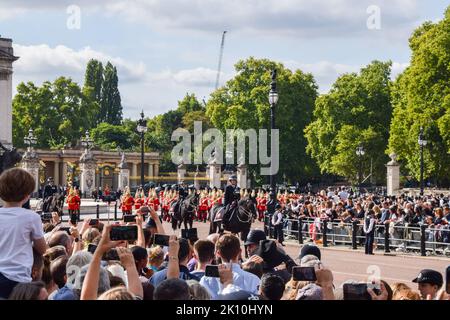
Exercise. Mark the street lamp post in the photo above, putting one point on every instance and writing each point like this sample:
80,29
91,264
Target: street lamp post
273,100
360,153
30,140
142,129
422,143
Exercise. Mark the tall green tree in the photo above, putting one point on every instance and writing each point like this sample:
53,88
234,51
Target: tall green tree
111,104
357,110
111,137
243,104
421,98
93,82
57,112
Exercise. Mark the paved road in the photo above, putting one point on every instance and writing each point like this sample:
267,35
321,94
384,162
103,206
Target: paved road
348,264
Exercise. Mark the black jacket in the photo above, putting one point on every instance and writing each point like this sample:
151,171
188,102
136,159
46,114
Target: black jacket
229,194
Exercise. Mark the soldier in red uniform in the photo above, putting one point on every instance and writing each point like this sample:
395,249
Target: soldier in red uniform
73,203
261,205
203,207
127,202
139,199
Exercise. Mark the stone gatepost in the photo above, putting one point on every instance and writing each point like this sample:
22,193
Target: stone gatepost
181,172
393,175
196,180
6,70
87,166
30,163
124,173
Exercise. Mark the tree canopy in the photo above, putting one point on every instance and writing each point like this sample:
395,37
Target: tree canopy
421,98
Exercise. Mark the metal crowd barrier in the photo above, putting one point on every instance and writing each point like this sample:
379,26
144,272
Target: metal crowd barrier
401,238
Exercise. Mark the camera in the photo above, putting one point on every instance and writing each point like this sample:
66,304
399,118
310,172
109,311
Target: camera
358,291
123,233
304,274
212,271
161,240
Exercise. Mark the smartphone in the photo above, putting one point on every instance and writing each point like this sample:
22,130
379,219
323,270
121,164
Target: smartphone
145,211
129,218
447,279
66,229
123,233
92,248
111,255
304,274
356,291
46,217
212,271
161,240
93,222
189,234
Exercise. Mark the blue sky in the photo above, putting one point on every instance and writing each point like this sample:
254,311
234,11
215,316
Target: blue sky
165,48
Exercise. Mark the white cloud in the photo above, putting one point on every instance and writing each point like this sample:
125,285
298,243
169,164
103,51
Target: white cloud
61,60
297,18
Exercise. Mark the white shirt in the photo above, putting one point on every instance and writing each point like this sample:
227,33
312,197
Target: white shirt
343,195
242,279
277,218
18,229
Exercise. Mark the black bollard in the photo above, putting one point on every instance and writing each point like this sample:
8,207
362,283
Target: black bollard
354,231
115,211
324,234
98,211
300,233
423,251
266,229
386,238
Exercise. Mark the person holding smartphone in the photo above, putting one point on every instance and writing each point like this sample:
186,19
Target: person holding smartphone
369,231
278,222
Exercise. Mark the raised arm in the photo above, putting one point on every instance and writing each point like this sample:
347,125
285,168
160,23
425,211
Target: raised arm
154,215
173,268
90,284
127,260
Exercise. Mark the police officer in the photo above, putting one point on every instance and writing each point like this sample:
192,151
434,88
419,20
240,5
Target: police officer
230,190
50,189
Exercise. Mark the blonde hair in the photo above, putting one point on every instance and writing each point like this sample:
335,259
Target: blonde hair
118,293
156,255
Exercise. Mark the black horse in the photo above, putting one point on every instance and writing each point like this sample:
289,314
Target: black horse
183,211
53,203
235,218
8,158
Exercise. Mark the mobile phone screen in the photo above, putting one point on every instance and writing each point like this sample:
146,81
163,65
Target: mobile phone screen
212,271
356,292
66,229
161,240
129,218
123,233
447,276
92,248
304,274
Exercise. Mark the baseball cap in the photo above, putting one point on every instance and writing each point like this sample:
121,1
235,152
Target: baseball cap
254,237
429,276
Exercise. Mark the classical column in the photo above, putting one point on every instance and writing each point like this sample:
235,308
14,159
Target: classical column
134,171
87,166
6,59
156,170
56,173
124,174
150,171
64,173
393,175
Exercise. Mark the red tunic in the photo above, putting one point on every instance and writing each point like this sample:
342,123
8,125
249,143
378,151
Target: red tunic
138,203
73,202
204,204
127,203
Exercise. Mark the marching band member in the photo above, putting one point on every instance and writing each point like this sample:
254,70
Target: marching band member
127,202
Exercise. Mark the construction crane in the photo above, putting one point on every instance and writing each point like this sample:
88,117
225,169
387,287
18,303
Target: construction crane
220,59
